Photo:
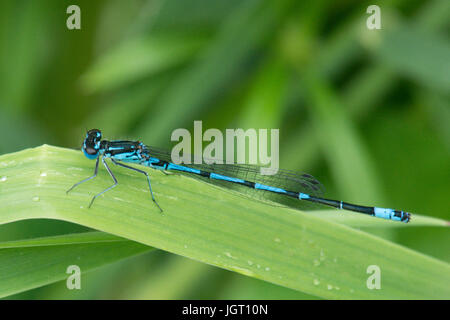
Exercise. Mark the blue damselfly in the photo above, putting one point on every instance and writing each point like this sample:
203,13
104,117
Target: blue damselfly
285,187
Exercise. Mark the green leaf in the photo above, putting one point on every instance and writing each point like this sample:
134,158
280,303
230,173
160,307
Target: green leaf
140,57
31,263
414,53
346,153
358,220
287,247
221,64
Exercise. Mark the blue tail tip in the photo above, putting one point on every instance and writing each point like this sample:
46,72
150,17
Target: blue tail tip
403,216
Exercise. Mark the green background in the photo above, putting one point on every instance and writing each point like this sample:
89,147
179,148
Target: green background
365,111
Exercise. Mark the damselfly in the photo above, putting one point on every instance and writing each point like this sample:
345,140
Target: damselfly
285,187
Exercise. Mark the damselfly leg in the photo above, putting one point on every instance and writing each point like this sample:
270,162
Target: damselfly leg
87,179
143,172
107,189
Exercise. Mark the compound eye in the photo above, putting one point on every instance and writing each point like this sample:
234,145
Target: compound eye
95,134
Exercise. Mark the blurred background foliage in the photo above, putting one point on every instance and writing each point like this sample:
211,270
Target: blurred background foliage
367,112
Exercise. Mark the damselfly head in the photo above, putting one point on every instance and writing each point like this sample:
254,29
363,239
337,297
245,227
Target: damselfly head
91,144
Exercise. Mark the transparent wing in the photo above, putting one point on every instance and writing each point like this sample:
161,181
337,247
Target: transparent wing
285,179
